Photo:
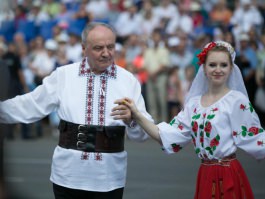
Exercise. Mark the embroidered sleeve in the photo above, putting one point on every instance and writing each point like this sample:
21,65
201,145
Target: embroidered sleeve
246,129
176,134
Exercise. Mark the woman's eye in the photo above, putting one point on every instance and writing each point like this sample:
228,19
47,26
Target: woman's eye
212,65
224,65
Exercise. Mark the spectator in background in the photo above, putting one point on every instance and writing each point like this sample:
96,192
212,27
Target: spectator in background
19,40
165,11
141,73
74,49
132,47
4,81
245,16
198,42
17,84
149,20
174,90
98,9
82,13
51,7
259,101
20,14
120,59
220,15
128,22
156,62
180,55
197,18
247,61
64,15
61,58
182,22
44,63
36,14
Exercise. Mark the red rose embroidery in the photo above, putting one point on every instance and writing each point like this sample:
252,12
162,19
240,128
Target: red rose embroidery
180,126
195,127
234,133
208,127
176,147
215,109
254,130
204,115
260,143
201,139
214,142
243,107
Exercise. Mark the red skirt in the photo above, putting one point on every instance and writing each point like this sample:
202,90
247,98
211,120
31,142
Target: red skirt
223,182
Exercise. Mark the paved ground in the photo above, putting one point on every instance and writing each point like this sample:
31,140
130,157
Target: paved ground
151,173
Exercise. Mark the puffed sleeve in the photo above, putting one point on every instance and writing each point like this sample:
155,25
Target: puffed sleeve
246,128
176,134
32,106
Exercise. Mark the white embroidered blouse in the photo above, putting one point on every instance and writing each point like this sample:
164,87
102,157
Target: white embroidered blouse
81,97
216,131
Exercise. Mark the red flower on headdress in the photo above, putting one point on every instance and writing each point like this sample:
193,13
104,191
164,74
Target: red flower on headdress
202,55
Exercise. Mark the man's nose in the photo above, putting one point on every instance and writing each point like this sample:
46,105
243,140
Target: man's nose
105,52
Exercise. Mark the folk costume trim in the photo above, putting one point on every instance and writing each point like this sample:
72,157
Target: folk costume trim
85,70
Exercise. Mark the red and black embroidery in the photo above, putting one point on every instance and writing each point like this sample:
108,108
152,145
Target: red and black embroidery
84,70
89,100
85,156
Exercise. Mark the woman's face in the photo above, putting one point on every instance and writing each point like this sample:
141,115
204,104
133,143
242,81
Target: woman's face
217,68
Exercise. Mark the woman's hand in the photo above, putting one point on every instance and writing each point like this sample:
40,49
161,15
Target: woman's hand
122,112
128,105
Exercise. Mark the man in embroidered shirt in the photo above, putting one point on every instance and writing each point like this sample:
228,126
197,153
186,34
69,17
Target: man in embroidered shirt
89,161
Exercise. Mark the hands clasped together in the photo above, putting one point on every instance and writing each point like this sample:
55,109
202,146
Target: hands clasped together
126,110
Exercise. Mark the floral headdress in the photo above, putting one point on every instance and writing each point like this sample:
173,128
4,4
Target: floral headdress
202,55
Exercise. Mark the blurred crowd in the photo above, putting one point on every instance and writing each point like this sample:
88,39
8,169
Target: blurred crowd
156,40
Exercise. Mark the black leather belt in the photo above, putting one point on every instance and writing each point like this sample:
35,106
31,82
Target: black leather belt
91,138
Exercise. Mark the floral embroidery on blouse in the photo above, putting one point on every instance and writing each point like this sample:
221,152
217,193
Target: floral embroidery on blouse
245,107
176,147
205,129
252,131
179,125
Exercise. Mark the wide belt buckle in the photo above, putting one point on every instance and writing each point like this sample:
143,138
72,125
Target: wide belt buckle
85,139
82,128
85,146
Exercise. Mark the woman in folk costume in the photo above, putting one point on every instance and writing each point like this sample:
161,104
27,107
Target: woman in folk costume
218,118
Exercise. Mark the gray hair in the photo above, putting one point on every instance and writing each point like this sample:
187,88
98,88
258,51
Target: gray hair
91,26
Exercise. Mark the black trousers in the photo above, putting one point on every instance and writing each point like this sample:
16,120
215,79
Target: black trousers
67,193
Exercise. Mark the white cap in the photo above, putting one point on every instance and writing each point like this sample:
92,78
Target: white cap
36,3
243,37
194,6
118,47
245,2
63,37
173,41
50,44
3,47
128,3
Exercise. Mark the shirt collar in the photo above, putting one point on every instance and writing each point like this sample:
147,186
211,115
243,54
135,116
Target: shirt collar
84,70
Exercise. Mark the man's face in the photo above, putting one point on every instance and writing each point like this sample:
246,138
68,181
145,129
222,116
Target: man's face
100,49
